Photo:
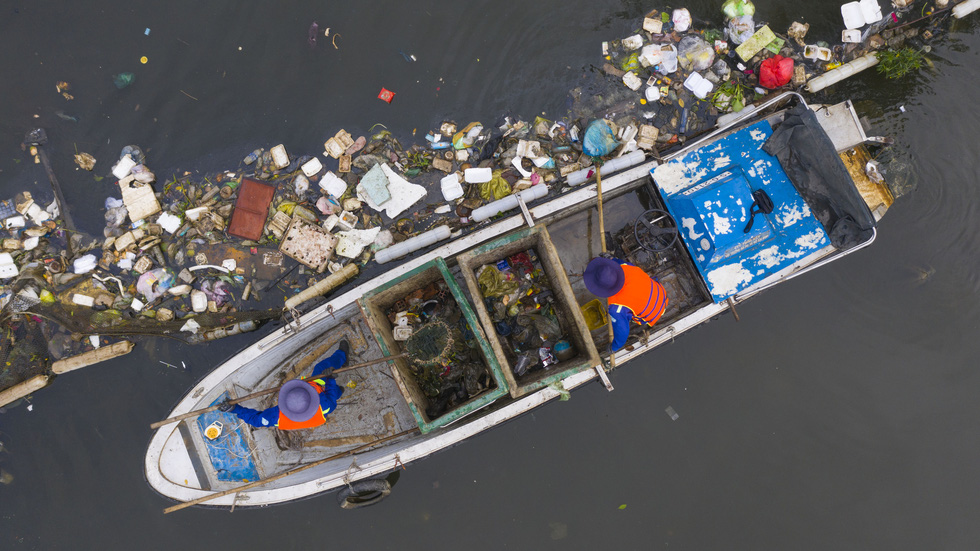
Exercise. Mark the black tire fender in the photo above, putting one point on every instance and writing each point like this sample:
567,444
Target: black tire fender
363,493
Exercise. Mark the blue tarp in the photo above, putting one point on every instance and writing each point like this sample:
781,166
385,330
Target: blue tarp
709,193
230,454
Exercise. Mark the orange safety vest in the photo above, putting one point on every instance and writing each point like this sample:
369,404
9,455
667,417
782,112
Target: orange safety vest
319,418
644,297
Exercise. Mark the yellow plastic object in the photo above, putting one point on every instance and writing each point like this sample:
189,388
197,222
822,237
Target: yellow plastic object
214,430
595,314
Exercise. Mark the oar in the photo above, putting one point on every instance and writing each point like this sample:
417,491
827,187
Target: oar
251,485
195,413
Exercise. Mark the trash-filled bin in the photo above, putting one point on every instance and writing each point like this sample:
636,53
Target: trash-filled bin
451,370
516,319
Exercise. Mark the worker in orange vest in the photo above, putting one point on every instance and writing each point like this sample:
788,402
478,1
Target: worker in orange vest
632,294
302,404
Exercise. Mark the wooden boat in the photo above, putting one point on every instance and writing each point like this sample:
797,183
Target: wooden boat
823,207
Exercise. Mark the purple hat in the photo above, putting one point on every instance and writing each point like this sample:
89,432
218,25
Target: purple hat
604,277
298,400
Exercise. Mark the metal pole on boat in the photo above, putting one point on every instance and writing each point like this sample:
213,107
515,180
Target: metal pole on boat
197,412
257,483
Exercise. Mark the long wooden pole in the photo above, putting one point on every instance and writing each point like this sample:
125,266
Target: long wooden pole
197,412
602,241
257,483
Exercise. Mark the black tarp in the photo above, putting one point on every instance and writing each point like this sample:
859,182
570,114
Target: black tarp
810,160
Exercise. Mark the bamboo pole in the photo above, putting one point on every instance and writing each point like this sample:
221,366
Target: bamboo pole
22,389
197,412
92,357
257,483
602,241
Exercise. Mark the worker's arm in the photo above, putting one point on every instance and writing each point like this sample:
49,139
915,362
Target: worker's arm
265,418
331,393
621,317
335,360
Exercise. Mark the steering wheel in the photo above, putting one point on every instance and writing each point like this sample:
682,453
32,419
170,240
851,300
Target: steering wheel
655,230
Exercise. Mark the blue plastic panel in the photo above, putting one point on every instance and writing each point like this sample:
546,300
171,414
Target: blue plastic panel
229,453
709,193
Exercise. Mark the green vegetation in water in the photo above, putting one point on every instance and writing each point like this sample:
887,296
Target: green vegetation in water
730,95
419,160
898,63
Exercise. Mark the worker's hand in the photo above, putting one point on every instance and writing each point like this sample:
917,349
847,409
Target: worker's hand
607,255
225,406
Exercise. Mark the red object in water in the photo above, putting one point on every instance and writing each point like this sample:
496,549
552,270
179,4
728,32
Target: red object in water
251,209
386,95
776,71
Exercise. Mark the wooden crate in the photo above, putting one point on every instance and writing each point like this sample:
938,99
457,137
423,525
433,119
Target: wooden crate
376,303
570,314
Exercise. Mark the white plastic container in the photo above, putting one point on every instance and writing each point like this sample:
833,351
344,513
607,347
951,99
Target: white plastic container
199,301
859,14
652,93
123,167
312,167
632,42
451,188
84,264
626,161
478,175
632,81
333,184
279,156
699,85
850,36
413,244
509,202
83,300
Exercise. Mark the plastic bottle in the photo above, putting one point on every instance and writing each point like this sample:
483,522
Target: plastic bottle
252,157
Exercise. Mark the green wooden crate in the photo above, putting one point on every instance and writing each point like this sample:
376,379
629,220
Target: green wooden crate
375,303
572,321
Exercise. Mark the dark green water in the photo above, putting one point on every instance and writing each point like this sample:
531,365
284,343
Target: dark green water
841,413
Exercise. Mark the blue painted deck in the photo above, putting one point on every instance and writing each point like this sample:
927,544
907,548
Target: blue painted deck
229,453
709,193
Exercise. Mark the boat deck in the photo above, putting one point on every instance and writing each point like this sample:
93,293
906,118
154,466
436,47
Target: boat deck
371,408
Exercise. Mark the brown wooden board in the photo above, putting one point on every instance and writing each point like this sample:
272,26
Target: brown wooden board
251,209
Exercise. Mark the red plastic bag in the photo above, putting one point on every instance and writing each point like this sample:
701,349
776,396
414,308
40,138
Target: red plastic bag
775,72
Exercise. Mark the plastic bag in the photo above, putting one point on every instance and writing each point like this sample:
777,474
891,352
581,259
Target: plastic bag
492,282
496,188
682,20
775,72
736,8
632,62
668,60
465,137
154,283
114,217
547,327
694,54
599,139
740,28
